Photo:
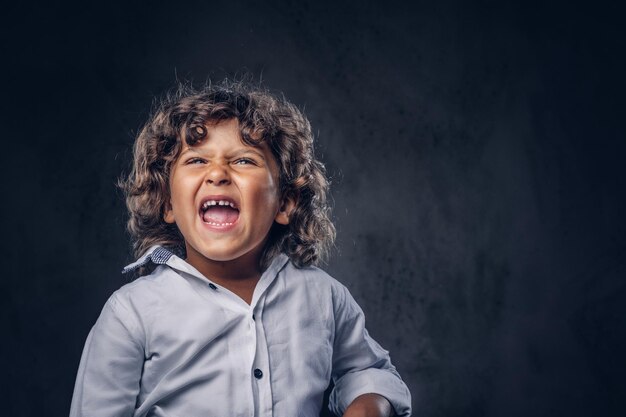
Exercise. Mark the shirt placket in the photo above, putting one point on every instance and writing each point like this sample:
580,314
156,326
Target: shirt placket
260,366
247,343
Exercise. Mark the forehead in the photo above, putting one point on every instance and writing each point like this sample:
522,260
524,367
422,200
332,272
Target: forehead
227,132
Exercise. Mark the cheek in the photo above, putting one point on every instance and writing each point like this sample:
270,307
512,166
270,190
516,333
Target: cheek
267,190
181,192
261,183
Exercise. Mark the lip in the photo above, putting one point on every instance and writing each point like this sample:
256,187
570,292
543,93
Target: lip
218,227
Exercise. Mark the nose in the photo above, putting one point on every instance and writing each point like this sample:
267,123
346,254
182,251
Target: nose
217,175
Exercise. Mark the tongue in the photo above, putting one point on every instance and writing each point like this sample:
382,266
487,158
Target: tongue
220,214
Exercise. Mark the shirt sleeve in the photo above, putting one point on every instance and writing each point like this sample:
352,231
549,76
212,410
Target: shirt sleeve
108,377
360,365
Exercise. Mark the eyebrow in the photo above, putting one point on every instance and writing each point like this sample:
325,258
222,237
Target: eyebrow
252,151
237,152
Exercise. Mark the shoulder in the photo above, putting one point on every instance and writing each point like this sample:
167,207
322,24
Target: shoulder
309,274
160,277
318,280
146,292
136,305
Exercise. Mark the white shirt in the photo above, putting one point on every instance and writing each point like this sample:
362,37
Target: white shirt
174,344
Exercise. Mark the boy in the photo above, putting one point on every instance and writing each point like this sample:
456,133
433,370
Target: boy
228,212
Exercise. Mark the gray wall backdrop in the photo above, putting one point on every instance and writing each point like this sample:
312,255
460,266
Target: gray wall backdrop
477,157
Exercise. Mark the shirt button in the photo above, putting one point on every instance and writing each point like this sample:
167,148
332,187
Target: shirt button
258,374
212,286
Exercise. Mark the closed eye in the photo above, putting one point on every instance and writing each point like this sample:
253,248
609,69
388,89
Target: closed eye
192,161
244,161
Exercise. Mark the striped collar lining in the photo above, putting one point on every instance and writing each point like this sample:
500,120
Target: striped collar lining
157,255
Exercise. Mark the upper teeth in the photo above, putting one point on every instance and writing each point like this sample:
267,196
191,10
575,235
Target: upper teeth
209,203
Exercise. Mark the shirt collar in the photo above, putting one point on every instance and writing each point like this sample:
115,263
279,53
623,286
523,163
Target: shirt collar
157,255
268,276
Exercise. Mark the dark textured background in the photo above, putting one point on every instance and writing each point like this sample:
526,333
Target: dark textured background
477,155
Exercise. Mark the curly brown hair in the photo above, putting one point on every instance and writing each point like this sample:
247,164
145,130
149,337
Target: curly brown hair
263,117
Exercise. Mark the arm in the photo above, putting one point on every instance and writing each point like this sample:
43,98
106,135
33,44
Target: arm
361,366
369,405
107,383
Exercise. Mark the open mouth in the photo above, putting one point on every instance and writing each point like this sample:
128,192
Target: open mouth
219,212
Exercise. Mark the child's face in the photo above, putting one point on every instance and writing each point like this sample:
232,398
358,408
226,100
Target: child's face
224,196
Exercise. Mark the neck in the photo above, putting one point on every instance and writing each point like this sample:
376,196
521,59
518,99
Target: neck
239,275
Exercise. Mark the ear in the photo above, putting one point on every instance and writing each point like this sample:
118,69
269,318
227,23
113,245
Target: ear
284,212
168,215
